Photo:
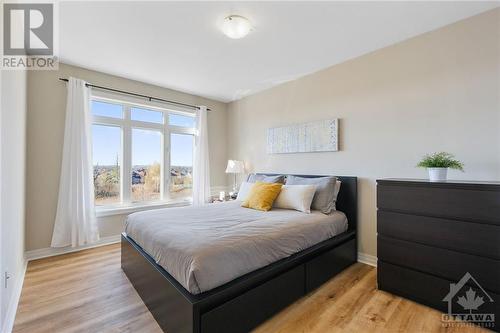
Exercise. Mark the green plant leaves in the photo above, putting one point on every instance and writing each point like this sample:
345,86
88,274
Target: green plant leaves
441,160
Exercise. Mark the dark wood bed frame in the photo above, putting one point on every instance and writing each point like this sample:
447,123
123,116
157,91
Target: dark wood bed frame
242,304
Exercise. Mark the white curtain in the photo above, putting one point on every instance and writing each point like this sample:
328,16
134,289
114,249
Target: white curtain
201,168
75,223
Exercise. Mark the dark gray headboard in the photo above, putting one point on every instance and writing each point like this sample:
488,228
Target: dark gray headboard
347,200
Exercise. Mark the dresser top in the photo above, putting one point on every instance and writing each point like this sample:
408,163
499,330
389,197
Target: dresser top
447,183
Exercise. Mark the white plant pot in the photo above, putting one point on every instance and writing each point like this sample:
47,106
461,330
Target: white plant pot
437,174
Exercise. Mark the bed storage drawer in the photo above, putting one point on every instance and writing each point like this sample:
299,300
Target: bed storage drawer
322,268
262,302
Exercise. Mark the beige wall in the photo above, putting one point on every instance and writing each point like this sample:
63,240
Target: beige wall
12,189
46,113
436,92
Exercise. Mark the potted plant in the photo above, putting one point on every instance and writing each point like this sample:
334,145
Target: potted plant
438,164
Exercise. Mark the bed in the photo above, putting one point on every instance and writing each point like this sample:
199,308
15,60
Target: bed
224,268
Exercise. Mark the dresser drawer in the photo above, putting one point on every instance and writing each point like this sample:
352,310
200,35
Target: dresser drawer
425,288
474,238
447,264
446,202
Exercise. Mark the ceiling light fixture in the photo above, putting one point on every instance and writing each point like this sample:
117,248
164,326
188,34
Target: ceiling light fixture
236,26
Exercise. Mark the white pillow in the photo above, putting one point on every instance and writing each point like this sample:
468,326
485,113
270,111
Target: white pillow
336,193
245,188
297,197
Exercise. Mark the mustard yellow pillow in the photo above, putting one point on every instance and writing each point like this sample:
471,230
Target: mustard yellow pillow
262,196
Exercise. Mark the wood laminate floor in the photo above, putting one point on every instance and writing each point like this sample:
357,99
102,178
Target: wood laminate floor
86,291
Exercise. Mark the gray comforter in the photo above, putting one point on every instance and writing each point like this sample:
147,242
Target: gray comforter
205,247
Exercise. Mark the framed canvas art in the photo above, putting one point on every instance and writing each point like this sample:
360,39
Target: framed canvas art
317,136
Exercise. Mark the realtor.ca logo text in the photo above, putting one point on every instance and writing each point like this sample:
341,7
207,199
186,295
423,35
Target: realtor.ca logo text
28,36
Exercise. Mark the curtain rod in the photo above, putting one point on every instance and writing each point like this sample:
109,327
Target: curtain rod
150,98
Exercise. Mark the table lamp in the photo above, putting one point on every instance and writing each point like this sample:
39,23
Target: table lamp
235,167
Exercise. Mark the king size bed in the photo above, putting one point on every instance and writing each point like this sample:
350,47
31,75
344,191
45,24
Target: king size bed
225,268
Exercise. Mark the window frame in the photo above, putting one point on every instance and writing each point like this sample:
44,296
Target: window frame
126,124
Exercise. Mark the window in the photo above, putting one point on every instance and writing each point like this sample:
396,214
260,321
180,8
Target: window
181,169
146,165
107,160
141,154
147,115
182,121
107,109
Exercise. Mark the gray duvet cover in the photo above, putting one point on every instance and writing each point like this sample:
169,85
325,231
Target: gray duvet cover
205,247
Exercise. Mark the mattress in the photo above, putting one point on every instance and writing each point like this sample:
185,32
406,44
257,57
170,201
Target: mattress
206,247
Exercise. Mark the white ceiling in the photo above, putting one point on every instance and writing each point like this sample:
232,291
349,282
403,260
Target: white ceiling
178,44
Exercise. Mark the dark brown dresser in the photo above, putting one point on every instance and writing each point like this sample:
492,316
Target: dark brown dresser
435,234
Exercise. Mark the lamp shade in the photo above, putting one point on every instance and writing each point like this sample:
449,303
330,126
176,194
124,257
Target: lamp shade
234,166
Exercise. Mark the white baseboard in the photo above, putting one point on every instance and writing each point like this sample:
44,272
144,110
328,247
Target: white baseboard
54,251
367,259
10,314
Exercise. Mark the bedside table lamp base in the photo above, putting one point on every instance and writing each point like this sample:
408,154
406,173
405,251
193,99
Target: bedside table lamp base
234,167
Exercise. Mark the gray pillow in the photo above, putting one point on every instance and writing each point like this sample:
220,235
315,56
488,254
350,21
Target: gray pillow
324,198
252,178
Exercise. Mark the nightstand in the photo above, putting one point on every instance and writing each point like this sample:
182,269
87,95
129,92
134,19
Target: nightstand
216,199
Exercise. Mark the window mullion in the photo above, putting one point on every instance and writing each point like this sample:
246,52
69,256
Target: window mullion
99,120
127,158
166,162
181,130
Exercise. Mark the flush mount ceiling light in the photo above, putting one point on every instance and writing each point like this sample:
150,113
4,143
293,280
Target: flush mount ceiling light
236,26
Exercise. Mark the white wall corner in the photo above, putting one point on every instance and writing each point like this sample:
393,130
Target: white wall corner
54,251
10,314
367,259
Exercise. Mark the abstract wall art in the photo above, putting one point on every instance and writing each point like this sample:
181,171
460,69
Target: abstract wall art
314,136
